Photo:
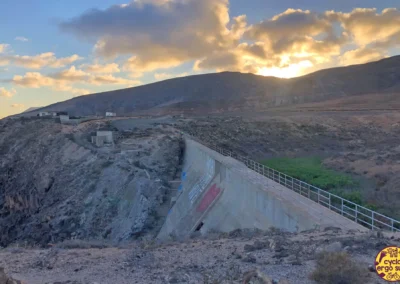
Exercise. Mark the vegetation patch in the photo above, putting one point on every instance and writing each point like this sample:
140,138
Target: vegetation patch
312,171
338,268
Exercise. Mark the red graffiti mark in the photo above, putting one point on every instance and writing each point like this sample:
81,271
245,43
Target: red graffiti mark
208,198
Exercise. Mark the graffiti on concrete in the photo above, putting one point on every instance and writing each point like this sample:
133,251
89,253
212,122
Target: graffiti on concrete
204,181
208,198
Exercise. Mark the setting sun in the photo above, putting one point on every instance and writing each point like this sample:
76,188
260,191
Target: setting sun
290,71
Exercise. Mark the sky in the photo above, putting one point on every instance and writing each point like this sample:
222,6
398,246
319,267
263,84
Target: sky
54,50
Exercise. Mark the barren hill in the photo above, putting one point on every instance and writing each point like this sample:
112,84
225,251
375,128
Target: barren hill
237,91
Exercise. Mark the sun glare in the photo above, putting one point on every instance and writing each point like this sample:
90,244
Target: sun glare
293,70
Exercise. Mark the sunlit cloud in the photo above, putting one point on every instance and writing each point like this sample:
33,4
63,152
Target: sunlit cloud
184,31
290,71
39,61
101,68
164,76
361,55
368,25
110,79
7,93
64,80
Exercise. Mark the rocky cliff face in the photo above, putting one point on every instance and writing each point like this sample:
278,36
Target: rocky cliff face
55,185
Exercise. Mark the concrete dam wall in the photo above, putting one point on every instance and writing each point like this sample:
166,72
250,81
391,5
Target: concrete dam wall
220,193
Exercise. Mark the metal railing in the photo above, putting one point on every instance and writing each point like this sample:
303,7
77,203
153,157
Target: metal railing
357,213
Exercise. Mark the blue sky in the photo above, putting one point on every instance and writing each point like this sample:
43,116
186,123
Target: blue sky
53,50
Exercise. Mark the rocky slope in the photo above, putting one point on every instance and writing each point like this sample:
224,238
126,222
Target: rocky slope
55,185
235,91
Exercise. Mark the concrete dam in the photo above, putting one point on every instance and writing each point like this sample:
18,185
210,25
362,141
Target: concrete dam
220,193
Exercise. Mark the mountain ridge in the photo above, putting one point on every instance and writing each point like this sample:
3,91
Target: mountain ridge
226,91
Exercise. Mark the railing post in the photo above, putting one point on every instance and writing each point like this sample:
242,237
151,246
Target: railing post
373,217
392,227
356,214
329,201
341,210
309,191
318,195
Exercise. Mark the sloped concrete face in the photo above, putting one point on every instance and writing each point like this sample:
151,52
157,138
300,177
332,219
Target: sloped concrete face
221,194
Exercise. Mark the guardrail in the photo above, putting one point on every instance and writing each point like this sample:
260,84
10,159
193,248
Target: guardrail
357,213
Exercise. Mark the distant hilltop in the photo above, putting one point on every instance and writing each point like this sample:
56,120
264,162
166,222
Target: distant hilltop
233,91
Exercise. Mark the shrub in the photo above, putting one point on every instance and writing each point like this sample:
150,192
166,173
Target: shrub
337,268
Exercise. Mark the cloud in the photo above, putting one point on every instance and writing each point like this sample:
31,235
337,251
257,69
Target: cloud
367,25
164,76
70,89
39,61
21,38
33,80
65,80
71,75
110,79
3,47
290,24
220,61
7,93
184,30
361,55
99,68
298,33
19,106
36,80
203,32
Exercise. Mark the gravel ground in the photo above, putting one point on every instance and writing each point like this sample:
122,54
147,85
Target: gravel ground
218,259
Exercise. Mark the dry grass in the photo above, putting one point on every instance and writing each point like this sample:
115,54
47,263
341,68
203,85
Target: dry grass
337,268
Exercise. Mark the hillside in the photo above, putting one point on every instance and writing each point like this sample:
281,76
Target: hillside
236,91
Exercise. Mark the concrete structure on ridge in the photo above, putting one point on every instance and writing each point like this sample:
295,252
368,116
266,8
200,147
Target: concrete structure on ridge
110,114
221,194
103,137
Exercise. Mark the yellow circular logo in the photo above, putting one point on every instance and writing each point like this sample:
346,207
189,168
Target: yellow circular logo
387,264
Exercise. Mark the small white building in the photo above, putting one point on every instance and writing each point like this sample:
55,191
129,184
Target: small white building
44,113
110,114
108,136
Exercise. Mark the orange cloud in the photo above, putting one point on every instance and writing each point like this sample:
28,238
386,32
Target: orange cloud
99,68
164,76
7,93
361,55
39,61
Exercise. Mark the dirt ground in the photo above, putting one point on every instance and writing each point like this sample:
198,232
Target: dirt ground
216,259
